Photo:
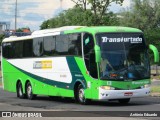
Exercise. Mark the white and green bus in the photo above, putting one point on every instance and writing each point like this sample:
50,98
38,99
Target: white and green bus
85,63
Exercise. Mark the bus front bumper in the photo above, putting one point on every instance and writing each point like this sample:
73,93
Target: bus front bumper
120,94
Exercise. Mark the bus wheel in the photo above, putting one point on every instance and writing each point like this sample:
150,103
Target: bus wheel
29,92
20,93
124,101
81,95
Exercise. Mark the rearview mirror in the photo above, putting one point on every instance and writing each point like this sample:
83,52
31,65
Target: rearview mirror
155,52
97,53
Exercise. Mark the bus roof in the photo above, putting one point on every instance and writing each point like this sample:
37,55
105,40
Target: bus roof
72,29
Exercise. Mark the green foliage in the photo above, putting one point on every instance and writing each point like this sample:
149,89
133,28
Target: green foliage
99,8
145,15
21,29
74,16
155,89
98,14
44,25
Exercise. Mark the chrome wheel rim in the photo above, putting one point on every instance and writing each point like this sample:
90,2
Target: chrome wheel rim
81,95
20,91
29,91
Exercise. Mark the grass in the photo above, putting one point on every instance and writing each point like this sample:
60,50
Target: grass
155,89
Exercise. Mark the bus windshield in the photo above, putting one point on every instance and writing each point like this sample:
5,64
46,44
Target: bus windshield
124,56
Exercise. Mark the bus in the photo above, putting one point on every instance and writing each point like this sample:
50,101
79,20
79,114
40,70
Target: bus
86,63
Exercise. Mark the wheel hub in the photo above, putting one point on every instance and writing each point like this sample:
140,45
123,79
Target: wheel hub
81,95
29,91
20,91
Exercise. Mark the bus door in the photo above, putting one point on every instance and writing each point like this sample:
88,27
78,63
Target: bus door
89,58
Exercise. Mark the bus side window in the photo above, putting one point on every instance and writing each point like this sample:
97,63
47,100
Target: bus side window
49,45
88,43
8,50
38,47
89,54
27,48
5,51
74,45
18,49
62,44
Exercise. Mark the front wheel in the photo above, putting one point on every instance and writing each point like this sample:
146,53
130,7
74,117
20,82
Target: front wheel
81,95
124,101
29,92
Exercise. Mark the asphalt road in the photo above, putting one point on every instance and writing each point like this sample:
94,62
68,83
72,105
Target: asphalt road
9,102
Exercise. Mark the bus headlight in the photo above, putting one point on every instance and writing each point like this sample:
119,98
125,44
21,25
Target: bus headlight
145,86
107,88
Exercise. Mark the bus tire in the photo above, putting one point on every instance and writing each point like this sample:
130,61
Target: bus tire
29,91
20,92
81,95
124,101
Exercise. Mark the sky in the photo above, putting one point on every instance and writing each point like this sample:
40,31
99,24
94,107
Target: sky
31,13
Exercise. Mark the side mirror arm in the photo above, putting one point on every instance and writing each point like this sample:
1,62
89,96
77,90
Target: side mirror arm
155,52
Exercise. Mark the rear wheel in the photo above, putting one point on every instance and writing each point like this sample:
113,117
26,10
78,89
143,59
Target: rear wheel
124,101
29,92
80,95
20,92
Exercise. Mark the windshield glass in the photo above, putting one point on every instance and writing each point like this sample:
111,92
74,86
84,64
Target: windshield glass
124,56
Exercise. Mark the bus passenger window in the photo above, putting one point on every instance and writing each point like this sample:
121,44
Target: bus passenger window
38,47
27,48
74,45
18,49
49,45
62,45
8,51
88,43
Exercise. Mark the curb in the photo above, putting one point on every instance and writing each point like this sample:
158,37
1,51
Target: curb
155,94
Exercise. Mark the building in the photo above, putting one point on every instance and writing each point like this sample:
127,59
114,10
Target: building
4,26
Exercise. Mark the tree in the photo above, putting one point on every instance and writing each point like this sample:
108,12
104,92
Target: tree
74,16
22,29
98,14
145,15
98,7
44,25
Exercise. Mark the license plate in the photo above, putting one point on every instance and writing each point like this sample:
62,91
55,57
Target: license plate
128,93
